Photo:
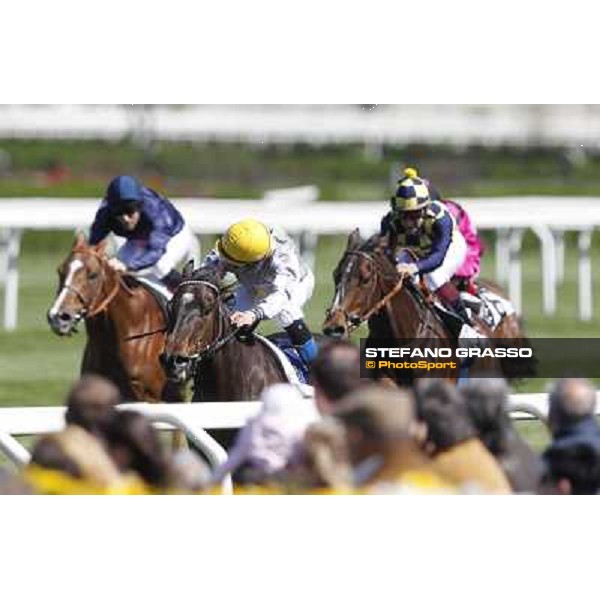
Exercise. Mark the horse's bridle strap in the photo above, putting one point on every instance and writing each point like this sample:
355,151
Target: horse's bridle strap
385,300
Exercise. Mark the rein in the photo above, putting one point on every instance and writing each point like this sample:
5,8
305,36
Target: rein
220,340
380,303
88,309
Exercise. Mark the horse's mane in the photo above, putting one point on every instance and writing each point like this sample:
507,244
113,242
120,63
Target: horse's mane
205,274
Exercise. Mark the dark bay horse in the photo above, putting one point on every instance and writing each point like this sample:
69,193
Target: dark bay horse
116,310
202,346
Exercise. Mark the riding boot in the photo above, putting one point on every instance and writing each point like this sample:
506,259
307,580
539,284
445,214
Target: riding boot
303,340
450,296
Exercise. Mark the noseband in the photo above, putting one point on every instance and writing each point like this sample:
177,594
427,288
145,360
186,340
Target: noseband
219,340
88,310
354,322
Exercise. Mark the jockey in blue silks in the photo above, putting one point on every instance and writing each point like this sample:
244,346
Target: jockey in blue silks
157,238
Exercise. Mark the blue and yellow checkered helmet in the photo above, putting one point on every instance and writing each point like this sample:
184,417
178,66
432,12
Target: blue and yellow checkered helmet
412,193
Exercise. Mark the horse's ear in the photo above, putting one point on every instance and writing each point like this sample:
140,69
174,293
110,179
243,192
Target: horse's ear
100,247
80,240
188,269
383,241
353,239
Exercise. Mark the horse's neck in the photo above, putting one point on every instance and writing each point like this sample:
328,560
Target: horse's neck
128,310
407,313
243,370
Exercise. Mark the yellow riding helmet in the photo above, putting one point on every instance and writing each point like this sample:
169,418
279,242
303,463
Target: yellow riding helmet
245,242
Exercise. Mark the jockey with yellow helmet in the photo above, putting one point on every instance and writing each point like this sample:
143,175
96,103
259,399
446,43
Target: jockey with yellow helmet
274,282
427,228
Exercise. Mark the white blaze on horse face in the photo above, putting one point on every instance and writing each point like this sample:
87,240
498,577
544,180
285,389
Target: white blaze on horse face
74,266
187,298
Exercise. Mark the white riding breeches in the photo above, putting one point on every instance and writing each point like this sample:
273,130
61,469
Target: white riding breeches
297,295
180,249
455,256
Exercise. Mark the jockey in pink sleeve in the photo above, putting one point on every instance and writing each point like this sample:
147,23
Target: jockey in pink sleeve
471,267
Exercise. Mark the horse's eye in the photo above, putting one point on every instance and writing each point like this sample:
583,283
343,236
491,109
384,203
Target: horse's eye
93,275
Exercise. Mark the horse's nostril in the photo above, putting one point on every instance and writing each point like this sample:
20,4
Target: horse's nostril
334,332
181,361
65,317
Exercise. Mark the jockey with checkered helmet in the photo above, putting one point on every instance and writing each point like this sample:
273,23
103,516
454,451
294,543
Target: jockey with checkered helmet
274,282
425,240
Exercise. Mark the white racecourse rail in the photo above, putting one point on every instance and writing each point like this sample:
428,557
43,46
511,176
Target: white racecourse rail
548,217
193,419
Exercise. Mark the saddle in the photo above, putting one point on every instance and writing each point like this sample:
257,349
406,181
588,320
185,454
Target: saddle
280,347
159,292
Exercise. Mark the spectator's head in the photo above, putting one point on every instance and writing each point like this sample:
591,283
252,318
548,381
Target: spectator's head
487,403
335,373
570,402
326,455
270,441
379,421
134,445
91,402
444,411
78,454
573,468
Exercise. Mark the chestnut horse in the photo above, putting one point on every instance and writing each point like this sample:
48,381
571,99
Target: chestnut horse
118,312
203,346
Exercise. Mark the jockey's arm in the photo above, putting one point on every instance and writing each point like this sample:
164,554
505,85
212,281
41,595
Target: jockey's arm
439,247
272,304
156,247
100,227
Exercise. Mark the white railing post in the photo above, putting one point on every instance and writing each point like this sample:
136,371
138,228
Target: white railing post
12,246
585,275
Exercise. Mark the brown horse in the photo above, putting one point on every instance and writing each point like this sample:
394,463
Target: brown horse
118,311
368,289
203,346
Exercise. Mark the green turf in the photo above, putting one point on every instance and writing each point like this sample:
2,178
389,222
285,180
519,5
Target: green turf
36,367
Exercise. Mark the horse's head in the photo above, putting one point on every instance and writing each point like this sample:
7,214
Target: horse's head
358,281
195,325
82,286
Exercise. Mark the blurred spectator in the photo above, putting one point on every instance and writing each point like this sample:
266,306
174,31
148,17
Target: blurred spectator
325,459
452,440
335,373
487,402
134,445
573,458
272,439
12,484
78,454
189,472
91,403
572,407
572,468
384,442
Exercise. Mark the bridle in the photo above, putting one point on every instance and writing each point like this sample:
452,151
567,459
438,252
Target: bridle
88,309
352,321
220,339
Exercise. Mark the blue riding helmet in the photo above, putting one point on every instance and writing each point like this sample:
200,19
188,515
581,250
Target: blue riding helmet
123,190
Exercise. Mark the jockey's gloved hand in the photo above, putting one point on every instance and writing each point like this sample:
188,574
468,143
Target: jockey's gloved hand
243,319
407,269
117,265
